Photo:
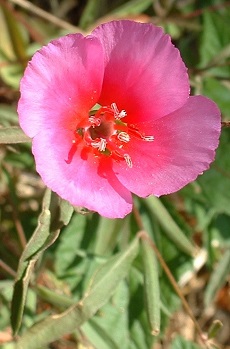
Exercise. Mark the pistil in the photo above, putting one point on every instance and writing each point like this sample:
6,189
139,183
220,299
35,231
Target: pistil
107,135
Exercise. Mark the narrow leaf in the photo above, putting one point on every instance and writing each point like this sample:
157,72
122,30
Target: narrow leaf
41,239
132,7
218,278
151,286
171,229
101,289
92,11
9,135
215,327
107,233
15,33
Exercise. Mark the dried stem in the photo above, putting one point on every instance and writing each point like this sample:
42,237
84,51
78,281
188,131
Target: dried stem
27,5
225,123
8,269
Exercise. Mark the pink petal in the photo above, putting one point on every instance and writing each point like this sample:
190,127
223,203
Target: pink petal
61,84
144,73
82,182
183,147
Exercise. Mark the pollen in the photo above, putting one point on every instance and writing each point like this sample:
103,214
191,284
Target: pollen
107,135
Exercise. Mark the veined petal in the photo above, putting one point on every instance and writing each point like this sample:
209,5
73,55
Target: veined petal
61,84
144,73
183,147
84,181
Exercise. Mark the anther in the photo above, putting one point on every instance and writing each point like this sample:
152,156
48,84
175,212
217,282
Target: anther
118,115
128,160
94,121
100,145
123,137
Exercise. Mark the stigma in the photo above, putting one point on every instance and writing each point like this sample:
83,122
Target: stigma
106,134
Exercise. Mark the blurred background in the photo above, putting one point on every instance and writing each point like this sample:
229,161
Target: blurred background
200,211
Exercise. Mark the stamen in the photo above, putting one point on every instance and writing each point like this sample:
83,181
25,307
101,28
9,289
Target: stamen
123,137
100,145
122,114
118,115
148,138
94,121
128,160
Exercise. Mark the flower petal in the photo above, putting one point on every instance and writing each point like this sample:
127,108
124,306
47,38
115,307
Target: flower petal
183,147
61,83
144,73
82,182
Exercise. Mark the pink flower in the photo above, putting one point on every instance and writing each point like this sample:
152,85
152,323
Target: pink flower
110,115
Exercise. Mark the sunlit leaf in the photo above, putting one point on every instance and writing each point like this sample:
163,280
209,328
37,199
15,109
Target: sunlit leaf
215,183
103,285
151,286
10,135
42,238
131,7
214,42
170,227
218,278
181,343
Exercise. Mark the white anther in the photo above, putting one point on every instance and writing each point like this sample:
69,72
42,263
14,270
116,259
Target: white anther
94,121
123,137
148,138
100,145
118,115
122,114
128,160
115,109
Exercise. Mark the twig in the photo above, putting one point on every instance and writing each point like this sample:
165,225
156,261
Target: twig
45,15
38,37
211,8
225,123
8,269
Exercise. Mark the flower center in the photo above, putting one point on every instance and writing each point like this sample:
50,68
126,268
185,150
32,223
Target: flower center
105,134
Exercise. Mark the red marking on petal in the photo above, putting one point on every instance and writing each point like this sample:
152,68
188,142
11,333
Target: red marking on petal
71,153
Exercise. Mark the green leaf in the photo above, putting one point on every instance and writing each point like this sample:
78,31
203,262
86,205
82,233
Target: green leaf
42,238
218,278
219,92
110,327
10,135
214,41
214,328
102,287
100,338
215,183
151,286
15,34
140,338
107,233
181,343
92,11
132,7
170,227
13,45
8,115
